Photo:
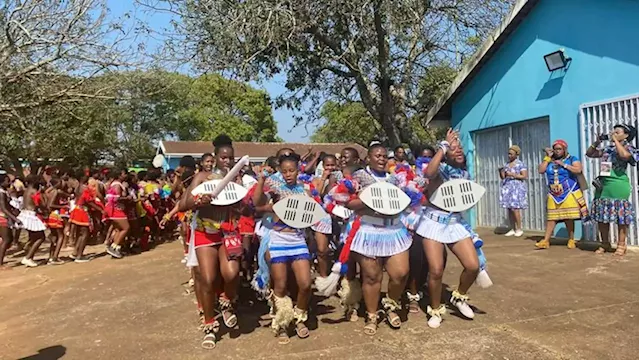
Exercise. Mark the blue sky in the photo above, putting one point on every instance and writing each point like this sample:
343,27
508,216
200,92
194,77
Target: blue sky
274,87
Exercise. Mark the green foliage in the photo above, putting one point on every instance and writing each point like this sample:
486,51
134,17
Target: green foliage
133,112
350,122
375,52
215,105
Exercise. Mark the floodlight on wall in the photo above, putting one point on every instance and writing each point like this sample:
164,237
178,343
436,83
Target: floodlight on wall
556,60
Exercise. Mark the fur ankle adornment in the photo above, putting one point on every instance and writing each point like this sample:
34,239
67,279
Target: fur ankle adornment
389,304
283,312
226,303
211,328
457,296
415,297
350,293
300,315
441,310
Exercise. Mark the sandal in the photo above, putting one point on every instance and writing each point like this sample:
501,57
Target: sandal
394,320
621,250
283,338
543,244
302,330
391,306
352,315
209,341
210,330
371,326
414,305
228,316
603,249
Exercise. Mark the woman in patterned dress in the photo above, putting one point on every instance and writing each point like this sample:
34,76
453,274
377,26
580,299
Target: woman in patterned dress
513,191
565,201
611,203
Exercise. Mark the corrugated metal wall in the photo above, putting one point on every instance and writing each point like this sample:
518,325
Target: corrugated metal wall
600,118
491,148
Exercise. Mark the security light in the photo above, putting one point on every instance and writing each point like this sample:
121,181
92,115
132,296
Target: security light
556,60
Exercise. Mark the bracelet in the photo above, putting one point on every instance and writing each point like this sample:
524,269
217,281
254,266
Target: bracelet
197,199
546,159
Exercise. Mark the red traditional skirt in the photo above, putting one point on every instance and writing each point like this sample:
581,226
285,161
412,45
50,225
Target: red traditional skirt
4,221
201,238
246,225
80,216
55,220
115,212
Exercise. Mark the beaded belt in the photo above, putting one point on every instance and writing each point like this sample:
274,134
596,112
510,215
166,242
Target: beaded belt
442,219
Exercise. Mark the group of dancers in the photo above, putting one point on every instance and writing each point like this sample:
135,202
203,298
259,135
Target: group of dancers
273,225
124,210
221,239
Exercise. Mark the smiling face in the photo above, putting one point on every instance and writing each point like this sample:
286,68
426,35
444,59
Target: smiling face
330,164
224,158
455,154
378,159
207,163
512,155
289,171
347,158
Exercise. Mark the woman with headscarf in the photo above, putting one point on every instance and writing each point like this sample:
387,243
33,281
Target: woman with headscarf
564,200
513,191
611,203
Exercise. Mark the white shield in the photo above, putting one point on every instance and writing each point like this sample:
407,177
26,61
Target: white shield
457,195
248,181
231,194
158,161
341,212
385,198
299,211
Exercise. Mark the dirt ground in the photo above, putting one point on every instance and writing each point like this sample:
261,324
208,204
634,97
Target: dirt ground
553,304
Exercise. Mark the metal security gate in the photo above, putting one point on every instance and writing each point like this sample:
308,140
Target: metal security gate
491,147
600,118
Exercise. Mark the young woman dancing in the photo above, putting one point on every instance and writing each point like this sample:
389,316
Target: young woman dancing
283,248
439,228
207,240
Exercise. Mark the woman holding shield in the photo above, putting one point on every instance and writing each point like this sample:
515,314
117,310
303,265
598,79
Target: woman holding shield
439,227
209,227
282,248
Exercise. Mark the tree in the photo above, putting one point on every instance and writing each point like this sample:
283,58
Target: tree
369,51
215,105
350,122
134,111
45,42
346,123
49,52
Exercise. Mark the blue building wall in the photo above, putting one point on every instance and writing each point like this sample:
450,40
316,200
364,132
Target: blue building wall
600,36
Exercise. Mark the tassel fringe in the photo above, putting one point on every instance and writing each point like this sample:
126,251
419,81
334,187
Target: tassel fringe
283,314
350,294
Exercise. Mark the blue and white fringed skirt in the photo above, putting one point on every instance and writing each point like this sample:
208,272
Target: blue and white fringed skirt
443,227
287,246
381,241
324,226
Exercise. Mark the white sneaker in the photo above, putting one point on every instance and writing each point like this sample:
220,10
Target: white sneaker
518,233
435,316
510,233
460,302
28,262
